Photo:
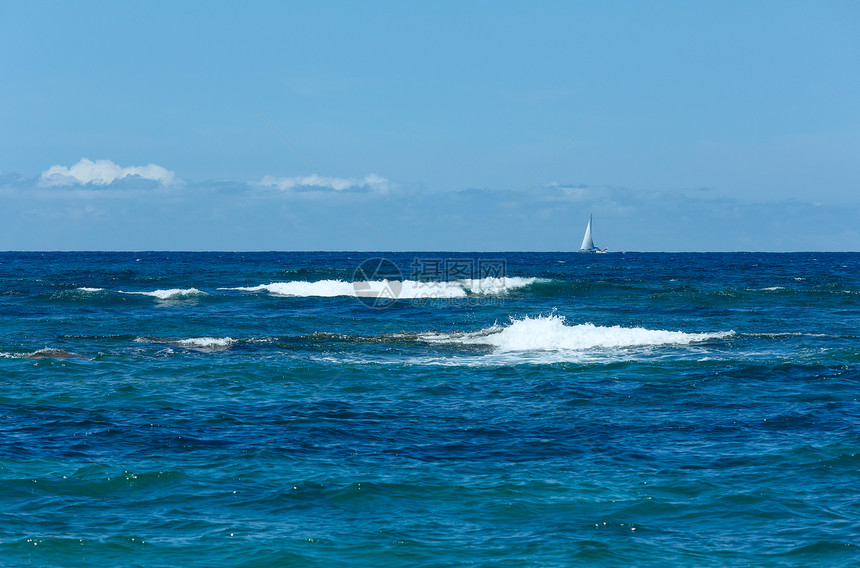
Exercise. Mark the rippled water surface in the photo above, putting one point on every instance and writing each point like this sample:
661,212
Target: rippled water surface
520,409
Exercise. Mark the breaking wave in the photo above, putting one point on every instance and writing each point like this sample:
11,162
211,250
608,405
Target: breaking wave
192,343
551,333
403,289
207,343
170,294
44,353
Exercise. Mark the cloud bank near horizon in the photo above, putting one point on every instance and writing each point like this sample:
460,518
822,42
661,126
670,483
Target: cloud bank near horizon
309,213
370,182
103,173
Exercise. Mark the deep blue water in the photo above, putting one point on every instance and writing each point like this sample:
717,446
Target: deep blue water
247,409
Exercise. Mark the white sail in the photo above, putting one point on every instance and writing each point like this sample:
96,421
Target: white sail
587,243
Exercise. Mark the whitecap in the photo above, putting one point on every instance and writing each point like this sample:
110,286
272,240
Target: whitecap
202,343
551,333
401,289
417,289
170,294
300,288
207,343
51,353
44,353
498,286
92,290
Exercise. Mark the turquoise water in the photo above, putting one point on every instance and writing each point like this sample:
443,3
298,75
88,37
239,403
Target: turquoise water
519,409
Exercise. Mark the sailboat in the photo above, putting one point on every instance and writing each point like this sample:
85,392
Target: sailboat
587,242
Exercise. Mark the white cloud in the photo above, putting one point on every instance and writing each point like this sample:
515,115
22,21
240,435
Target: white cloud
102,172
371,181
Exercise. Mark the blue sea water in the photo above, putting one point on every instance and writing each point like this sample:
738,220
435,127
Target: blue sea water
518,409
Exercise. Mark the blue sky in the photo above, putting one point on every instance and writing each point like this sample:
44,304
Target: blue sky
720,126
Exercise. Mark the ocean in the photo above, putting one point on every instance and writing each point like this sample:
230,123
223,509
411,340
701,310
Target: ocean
429,409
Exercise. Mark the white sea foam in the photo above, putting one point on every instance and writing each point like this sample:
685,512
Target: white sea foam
44,353
498,286
194,343
404,289
86,289
300,288
790,334
207,343
551,333
171,294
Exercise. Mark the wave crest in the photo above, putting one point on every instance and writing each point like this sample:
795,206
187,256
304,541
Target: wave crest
401,289
170,294
44,353
551,333
207,343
